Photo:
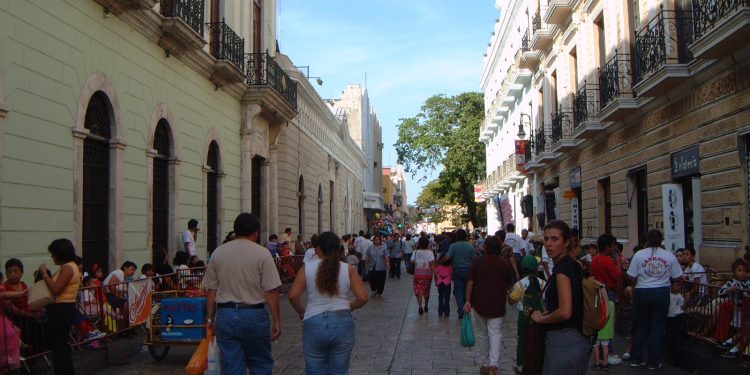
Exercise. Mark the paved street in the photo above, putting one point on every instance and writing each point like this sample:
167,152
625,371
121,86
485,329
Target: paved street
391,339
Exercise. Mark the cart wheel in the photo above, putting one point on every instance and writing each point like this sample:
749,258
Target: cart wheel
158,352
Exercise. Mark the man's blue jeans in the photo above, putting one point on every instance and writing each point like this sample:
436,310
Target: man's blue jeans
650,307
328,340
460,274
244,339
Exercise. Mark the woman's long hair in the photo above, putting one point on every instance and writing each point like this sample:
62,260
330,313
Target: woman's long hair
565,232
327,280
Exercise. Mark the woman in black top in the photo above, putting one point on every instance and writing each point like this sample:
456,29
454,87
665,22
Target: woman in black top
567,350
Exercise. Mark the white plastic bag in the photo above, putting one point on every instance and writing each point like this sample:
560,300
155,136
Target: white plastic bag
214,362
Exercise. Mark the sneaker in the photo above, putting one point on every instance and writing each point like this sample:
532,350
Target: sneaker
596,367
730,354
654,366
421,311
517,369
637,364
614,360
625,356
604,368
93,335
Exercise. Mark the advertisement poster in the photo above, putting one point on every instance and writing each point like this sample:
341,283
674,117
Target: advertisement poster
521,150
139,301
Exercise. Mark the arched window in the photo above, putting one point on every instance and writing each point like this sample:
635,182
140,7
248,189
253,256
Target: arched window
212,198
320,209
301,206
161,186
96,184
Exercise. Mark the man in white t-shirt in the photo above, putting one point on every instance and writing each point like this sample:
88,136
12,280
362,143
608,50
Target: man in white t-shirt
515,242
527,244
695,274
189,237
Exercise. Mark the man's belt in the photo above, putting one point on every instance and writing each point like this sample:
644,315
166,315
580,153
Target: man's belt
236,305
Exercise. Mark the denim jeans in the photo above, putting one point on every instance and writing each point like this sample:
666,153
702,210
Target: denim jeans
395,269
566,351
650,307
244,338
489,337
328,340
460,274
444,299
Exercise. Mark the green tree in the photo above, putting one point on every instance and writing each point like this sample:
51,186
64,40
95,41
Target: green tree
446,133
431,198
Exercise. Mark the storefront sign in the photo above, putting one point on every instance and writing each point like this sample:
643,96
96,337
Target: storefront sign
575,178
686,162
574,213
478,190
569,194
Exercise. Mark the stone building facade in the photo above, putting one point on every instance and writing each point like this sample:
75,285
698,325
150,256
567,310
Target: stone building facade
120,120
642,114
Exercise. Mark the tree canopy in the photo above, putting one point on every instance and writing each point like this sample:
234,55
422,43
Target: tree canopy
446,133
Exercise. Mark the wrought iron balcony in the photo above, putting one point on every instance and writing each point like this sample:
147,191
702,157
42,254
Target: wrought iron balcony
585,104
664,40
525,43
226,44
539,142
536,22
706,13
561,125
720,26
615,91
263,70
541,32
189,11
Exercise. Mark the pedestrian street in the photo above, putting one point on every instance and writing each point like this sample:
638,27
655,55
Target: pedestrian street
392,338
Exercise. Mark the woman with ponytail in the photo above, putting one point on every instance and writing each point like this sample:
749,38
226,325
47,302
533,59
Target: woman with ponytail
327,321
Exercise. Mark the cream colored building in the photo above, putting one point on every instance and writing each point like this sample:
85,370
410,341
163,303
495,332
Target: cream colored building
122,119
641,113
364,126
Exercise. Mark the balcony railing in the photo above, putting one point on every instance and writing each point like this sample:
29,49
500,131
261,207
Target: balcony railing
536,22
664,40
706,13
561,126
525,44
189,11
262,69
614,79
585,104
226,44
539,142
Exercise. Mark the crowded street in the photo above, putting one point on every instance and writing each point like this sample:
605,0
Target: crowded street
391,338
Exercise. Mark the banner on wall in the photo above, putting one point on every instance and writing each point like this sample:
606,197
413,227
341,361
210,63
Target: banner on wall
674,227
478,190
522,146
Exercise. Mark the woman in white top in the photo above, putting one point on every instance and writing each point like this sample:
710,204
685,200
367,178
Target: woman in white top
652,270
328,324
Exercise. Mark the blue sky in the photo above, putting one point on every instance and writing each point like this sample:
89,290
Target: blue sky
409,49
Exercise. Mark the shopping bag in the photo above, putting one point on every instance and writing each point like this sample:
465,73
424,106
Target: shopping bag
199,361
534,348
39,295
214,361
467,332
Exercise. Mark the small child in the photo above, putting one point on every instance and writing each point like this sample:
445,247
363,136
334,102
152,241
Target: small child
443,277
736,289
675,329
19,306
528,291
352,259
602,341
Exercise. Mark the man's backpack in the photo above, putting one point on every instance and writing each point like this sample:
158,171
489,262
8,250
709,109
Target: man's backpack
595,306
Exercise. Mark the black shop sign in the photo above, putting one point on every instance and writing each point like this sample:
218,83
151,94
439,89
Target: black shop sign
686,162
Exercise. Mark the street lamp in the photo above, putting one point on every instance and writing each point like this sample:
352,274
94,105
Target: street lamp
307,74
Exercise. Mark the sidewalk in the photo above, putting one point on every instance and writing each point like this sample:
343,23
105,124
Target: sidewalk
392,338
